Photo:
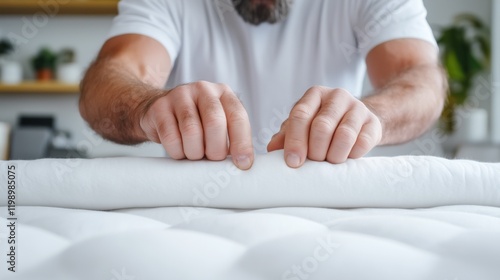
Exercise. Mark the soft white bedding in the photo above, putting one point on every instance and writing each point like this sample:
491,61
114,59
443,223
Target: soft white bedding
151,227
115,183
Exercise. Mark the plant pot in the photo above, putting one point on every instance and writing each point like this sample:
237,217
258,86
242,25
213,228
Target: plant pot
471,128
69,73
44,74
11,72
472,125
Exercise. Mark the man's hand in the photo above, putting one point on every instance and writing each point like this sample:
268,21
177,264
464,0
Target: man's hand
130,106
327,124
194,120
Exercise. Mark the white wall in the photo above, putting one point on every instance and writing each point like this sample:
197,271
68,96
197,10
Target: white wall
86,34
441,12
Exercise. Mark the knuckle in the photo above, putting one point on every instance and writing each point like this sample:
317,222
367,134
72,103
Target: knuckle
342,92
332,112
177,156
242,148
199,88
191,129
350,122
214,121
295,143
210,101
336,159
316,89
204,89
196,156
162,129
225,88
201,84
232,102
178,92
237,116
361,109
170,139
167,136
323,124
189,124
301,112
364,142
213,116
186,114
316,154
345,135
216,155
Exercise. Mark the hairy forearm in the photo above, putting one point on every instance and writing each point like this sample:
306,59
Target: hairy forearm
113,100
409,104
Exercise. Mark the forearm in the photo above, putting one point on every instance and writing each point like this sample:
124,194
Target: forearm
113,99
409,104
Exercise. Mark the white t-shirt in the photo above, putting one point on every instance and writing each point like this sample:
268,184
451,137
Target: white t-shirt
270,66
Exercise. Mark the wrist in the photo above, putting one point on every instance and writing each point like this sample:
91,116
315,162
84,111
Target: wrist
376,111
145,123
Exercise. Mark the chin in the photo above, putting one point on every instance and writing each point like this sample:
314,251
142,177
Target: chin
262,11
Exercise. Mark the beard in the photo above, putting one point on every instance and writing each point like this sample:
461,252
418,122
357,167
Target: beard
260,11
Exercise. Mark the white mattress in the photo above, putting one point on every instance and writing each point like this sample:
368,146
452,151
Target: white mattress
125,229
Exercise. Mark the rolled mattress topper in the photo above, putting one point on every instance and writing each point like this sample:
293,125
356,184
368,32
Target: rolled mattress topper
116,183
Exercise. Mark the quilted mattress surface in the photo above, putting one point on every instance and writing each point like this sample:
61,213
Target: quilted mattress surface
156,219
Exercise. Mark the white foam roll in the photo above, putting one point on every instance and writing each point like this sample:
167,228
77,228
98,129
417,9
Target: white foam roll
114,183
4,140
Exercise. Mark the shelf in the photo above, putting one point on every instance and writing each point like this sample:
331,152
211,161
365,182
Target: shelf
40,88
72,7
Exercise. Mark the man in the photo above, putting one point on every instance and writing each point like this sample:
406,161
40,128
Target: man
298,62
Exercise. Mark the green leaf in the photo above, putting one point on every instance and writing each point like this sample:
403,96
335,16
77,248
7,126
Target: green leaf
453,66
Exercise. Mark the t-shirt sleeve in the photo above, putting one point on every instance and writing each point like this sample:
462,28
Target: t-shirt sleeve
379,21
157,19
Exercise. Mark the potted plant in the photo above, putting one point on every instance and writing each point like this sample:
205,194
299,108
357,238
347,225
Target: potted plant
6,48
68,71
11,72
44,64
465,53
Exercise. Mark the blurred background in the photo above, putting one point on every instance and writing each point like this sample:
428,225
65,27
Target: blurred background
46,45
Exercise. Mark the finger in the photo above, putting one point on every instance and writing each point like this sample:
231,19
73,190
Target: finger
278,140
299,122
190,128
324,125
345,136
160,126
214,124
240,134
367,139
169,135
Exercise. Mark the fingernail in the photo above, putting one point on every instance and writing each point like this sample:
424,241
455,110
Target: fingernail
243,162
293,160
